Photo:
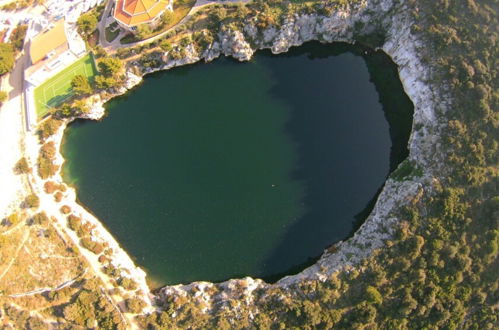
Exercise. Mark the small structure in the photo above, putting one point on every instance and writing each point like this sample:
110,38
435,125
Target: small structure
131,13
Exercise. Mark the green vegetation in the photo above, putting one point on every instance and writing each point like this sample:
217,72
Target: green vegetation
3,97
17,5
135,305
110,66
48,128
112,31
17,37
8,51
81,85
87,23
406,170
6,58
92,310
58,89
110,69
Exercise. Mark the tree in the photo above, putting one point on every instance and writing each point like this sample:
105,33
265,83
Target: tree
373,295
135,305
143,31
105,82
80,107
167,17
17,37
6,58
110,66
87,24
48,128
80,85
3,97
165,45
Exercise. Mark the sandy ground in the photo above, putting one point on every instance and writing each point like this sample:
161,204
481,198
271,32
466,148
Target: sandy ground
12,187
16,142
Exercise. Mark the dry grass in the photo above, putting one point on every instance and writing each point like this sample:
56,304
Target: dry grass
34,257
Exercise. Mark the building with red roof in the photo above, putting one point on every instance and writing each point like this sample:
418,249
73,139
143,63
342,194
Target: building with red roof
130,13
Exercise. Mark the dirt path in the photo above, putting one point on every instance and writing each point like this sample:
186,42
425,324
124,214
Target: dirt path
19,247
56,288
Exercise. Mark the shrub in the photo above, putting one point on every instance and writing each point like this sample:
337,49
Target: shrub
3,97
373,295
74,222
48,127
17,37
165,45
58,196
135,305
92,246
128,284
22,166
50,187
65,209
32,201
13,218
48,150
40,219
46,167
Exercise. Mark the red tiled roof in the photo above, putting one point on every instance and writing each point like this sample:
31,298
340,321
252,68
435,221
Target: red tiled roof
135,12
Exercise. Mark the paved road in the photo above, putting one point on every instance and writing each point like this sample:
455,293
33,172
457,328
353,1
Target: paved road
11,141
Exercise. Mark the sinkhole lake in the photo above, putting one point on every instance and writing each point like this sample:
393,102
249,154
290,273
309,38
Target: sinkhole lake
222,170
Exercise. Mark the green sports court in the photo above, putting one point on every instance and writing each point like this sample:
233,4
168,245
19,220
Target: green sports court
57,89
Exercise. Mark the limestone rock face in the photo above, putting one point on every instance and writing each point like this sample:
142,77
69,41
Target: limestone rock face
233,43
97,110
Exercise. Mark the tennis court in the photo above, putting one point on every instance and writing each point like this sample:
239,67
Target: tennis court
57,89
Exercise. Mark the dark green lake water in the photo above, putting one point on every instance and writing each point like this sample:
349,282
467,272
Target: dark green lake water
222,170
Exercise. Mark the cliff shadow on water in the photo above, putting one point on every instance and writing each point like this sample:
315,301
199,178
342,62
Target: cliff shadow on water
398,111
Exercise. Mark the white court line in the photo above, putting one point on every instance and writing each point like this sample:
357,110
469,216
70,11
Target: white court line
55,90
